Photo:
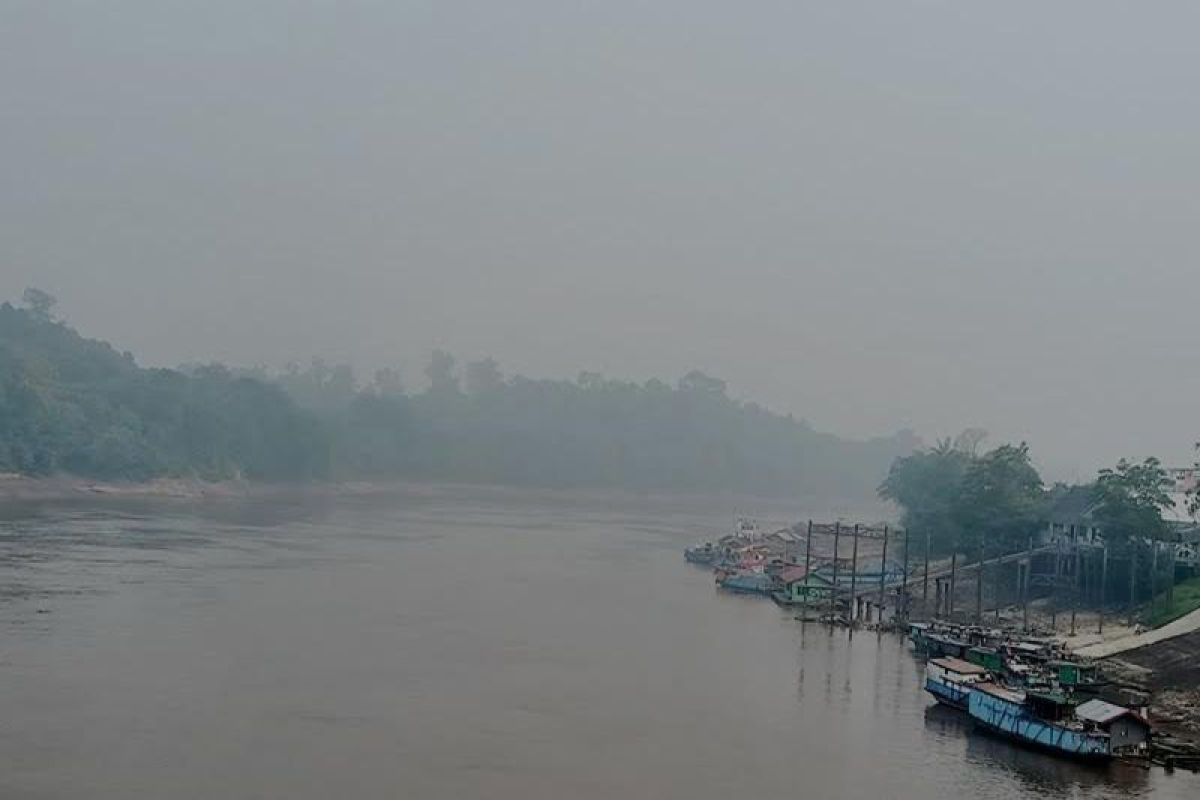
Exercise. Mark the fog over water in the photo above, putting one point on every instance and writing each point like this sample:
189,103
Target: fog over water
871,215
457,644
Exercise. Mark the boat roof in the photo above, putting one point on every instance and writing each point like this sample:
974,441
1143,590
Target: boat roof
1057,698
1102,713
959,666
790,574
999,692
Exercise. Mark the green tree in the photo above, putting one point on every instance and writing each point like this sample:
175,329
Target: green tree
483,377
927,485
41,304
1130,500
441,375
1001,500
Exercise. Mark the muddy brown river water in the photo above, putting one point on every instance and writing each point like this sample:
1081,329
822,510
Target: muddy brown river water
454,644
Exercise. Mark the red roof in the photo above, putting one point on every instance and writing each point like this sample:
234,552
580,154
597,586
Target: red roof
792,574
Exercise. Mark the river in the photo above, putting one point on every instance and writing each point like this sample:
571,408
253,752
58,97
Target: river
454,644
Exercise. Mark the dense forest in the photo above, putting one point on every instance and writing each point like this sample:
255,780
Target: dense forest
75,405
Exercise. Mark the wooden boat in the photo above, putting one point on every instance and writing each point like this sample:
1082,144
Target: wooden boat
704,554
1043,721
949,680
939,645
747,583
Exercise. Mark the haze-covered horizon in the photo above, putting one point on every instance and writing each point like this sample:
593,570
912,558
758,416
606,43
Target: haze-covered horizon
923,216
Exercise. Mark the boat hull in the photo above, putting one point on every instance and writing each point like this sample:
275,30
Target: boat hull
947,693
1012,721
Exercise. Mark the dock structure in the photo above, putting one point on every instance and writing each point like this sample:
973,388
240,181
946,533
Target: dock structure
873,578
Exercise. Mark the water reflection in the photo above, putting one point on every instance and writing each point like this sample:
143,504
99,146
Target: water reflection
1038,772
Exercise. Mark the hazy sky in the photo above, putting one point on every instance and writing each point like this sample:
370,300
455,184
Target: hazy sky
873,215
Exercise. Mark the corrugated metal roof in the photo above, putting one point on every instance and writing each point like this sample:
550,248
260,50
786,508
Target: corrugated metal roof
792,574
1102,713
959,666
1000,692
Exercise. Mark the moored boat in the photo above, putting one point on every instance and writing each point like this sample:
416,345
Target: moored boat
949,680
747,582
1041,720
704,554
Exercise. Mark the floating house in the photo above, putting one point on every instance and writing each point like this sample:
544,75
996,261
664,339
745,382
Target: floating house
797,587
1128,732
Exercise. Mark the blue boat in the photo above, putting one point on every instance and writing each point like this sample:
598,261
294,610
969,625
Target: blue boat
702,554
949,680
1041,720
748,583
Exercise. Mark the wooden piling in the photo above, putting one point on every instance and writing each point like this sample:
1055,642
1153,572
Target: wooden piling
1154,578
925,593
807,565
979,584
853,610
953,584
837,538
1132,578
883,572
1103,588
1025,586
1074,594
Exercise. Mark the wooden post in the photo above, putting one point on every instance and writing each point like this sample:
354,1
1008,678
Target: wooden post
904,581
807,582
953,584
997,587
837,538
1103,587
1074,595
1025,585
1171,576
883,574
854,580
979,584
925,594
1132,578
1054,586
1154,577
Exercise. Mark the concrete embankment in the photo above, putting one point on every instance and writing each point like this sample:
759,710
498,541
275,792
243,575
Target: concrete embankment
1186,624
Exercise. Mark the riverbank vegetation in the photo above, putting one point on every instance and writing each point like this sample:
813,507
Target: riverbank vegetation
1183,599
995,502
74,405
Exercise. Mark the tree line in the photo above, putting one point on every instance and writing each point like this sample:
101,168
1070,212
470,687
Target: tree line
74,405
996,502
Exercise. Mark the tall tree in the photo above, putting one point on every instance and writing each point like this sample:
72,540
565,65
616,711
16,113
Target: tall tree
483,377
1130,501
926,485
441,375
40,303
1001,500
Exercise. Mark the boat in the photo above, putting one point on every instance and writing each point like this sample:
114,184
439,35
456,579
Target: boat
949,680
704,554
1041,720
942,646
747,583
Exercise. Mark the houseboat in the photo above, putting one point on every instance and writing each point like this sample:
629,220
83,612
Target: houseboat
1042,720
949,680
